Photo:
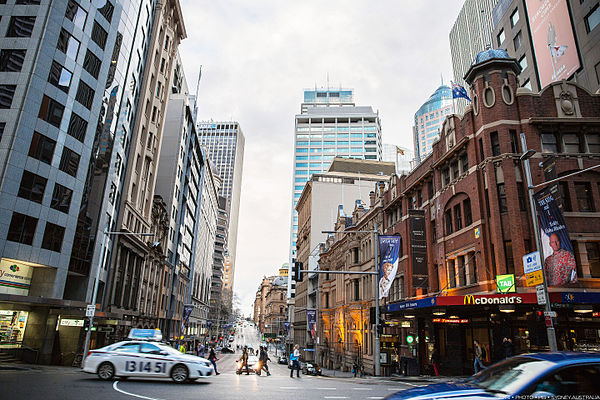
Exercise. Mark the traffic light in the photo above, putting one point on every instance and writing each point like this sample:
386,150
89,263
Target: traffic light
298,266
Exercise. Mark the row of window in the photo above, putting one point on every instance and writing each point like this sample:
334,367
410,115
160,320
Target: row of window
33,186
42,148
457,217
22,230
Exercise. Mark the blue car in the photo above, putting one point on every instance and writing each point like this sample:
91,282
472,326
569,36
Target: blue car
539,375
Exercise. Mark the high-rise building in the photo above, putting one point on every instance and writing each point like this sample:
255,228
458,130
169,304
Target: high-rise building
429,119
329,125
470,34
225,145
69,79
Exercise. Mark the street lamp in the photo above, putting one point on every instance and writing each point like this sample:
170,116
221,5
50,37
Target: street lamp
536,230
92,307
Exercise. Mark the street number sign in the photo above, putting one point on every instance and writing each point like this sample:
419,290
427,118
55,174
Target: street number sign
541,296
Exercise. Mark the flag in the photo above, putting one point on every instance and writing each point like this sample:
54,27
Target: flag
557,51
399,151
458,91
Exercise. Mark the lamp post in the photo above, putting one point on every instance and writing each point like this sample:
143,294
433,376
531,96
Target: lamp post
107,233
538,242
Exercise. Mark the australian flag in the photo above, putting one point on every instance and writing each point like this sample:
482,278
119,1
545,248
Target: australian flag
458,91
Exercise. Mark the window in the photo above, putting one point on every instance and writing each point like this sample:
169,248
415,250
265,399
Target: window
107,11
467,210
68,44
514,18
32,187
457,217
85,95
527,84
593,255
464,161
508,257
2,126
69,162
61,198
571,143
592,19
11,60
149,348
583,192
593,142
445,176
549,143
60,77
501,36
76,14
448,220
356,290
92,64
454,167
20,27
514,142
565,196
523,62
517,40
77,127
495,144
53,237
7,92
99,35
481,152
502,204
521,197
51,111
42,148
22,228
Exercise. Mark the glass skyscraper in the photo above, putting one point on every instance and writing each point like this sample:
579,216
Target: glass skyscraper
429,119
329,125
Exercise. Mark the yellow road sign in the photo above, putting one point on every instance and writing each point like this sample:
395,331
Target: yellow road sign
534,278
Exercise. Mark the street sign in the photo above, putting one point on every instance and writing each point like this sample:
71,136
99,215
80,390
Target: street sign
505,283
541,296
90,310
548,321
534,278
531,262
551,314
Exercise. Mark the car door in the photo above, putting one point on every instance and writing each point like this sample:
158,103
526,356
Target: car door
154,360
572,380
125,358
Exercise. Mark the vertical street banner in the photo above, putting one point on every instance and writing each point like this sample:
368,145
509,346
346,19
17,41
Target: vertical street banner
418,246
389,248
187,310
311,322
559,262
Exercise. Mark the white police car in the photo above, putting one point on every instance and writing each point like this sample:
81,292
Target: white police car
145,356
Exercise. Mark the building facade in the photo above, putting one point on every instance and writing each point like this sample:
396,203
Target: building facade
429,119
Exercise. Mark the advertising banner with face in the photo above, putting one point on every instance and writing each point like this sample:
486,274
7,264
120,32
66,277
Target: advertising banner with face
311,320
388,249
559,259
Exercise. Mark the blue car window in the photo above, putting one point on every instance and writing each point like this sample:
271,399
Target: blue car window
149,348
129,348
573,380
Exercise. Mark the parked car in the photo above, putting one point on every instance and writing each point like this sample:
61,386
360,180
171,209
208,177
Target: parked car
537,375
311,369
227,350
282,360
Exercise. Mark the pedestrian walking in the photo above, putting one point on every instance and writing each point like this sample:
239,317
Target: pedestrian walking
479,355
435,361
212,357
201,350
295,359
508,347
354,368
263,358
244,361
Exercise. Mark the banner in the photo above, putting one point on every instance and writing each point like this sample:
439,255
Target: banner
389,247
418,245
187,310
311,321
559,261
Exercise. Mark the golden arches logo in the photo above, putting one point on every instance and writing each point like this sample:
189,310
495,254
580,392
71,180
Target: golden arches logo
469,299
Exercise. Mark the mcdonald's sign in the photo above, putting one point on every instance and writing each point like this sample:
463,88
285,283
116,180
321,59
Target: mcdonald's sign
469,299
482,300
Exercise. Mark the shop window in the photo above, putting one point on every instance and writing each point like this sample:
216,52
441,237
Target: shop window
61,198
457,217
68,44
60,77
85,95
99,35
76,14
593,255
495,143
467,211
92,64
549,143
583,192
53,237
32,187
11,60
77,127
12,324
502,203
51,111
20,26
571,143
565,196
69,162
22,228
42,148
7,92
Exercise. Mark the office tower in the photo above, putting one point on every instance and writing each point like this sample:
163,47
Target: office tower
225,144
573,29
69,94
329,125
183,172
470,34
429,119
128,258
403,157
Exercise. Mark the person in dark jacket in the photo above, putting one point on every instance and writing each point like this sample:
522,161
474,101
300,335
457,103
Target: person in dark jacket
263,358
508,347
212,357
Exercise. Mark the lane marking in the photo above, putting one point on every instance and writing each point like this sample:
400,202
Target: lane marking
362,388
375,398
289,387
132,394
326,388
336,397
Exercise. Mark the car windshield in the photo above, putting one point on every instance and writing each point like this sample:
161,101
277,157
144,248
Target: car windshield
169,349
510,375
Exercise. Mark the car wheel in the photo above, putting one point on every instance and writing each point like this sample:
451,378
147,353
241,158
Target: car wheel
106,371
179,373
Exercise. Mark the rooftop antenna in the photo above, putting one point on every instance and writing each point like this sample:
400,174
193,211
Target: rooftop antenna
197,90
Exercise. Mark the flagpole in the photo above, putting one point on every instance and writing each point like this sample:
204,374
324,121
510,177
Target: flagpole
552,59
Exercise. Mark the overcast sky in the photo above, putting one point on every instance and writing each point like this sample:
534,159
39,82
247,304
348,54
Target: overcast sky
258,56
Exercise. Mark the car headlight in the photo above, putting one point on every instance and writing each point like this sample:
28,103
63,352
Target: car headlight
204,363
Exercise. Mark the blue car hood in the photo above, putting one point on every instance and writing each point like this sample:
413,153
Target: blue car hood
443,391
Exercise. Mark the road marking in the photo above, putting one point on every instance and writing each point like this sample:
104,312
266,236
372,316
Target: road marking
326,388
289,387
132,394
362,388
336,397
375,398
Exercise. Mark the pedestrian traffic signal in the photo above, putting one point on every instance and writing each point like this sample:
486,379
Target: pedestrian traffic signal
298,266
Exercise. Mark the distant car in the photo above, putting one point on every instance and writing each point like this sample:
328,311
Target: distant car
282,360
538,375
227,350
145,359
312,369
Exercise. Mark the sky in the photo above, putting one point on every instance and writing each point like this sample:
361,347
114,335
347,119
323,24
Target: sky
257,58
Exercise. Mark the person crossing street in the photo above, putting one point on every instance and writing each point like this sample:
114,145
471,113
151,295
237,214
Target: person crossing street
295,359
212,357
263,358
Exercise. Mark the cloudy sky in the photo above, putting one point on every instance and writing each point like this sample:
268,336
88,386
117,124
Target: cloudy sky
257,57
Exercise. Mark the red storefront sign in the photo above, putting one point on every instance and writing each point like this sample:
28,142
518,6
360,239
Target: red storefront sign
450,320
487,299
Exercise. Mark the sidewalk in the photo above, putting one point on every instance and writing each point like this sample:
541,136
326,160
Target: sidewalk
420,379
